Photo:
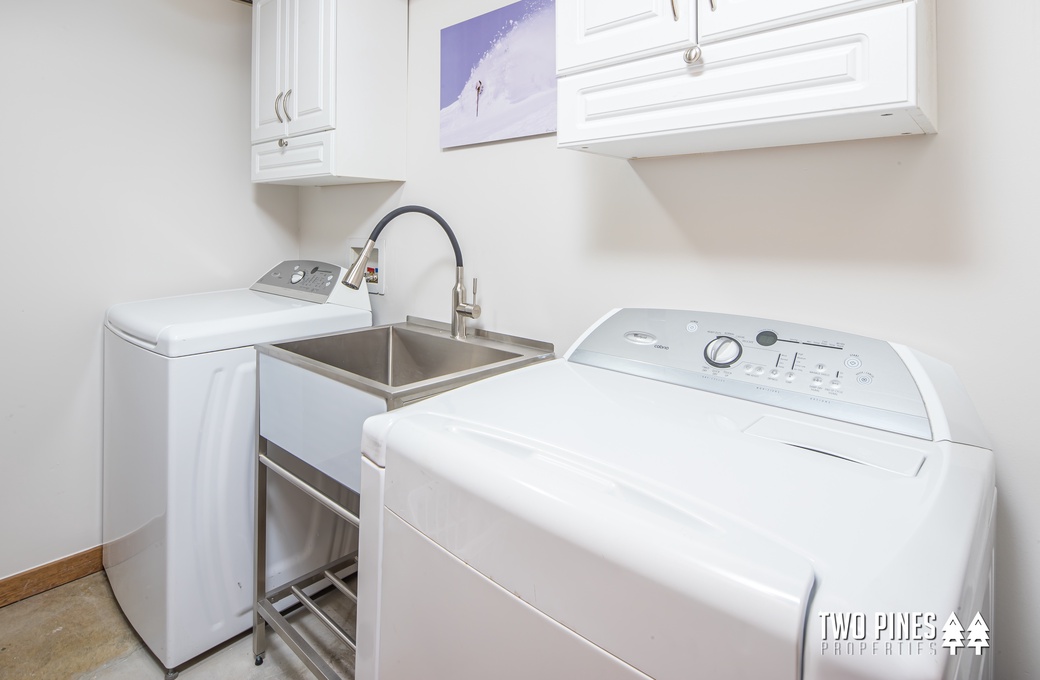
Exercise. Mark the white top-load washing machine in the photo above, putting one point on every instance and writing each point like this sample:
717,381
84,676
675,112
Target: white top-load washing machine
685,495
180,450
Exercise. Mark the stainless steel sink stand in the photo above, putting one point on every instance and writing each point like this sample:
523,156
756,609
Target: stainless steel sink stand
399,363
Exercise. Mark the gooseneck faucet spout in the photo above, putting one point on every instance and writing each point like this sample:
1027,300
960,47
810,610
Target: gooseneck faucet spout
460,309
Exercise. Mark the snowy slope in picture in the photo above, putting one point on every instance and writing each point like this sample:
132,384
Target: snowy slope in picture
498,75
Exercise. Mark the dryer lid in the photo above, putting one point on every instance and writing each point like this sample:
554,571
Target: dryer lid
209,322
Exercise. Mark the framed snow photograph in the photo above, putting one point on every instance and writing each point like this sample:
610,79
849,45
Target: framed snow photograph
498,75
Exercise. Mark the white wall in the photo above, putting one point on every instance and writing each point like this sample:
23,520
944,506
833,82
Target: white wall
124,174
928,241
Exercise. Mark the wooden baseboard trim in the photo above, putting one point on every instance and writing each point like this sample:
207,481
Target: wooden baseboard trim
59,572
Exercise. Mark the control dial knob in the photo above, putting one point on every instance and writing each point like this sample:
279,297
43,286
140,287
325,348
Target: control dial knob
723,351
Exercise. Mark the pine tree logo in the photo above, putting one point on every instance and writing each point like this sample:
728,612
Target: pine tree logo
953,634
978,634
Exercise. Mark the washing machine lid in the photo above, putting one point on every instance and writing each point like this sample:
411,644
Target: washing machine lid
209,322
743,523
660,586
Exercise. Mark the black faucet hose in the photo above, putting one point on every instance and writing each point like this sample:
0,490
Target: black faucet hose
425,211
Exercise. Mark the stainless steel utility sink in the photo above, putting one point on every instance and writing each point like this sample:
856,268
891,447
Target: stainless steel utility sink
396,355
412,360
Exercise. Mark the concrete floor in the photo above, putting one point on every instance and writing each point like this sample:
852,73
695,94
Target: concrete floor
77,632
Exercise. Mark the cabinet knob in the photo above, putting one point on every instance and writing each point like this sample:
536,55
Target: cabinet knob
277,112
692,55
283,143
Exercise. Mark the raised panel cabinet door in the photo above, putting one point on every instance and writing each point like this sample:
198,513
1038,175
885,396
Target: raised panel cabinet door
720,19
856,62
598,32
310,100
268,76
291,159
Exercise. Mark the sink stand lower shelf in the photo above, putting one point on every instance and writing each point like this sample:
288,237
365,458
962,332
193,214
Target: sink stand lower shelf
335,573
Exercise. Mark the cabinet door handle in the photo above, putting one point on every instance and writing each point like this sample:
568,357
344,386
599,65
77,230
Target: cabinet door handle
714,6
277,112
285,105
692,55
675,9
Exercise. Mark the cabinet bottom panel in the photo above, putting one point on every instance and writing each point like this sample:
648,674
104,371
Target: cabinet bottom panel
320,159
300,157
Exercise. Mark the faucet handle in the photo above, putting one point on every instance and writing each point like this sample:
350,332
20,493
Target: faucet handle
475,308
470,309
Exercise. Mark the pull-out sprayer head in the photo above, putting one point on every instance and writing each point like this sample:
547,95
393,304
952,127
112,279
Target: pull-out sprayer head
356,275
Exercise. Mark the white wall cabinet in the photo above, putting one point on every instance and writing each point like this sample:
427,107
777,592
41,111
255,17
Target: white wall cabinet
750,73
329,91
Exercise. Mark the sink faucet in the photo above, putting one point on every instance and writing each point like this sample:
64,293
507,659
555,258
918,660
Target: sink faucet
460,309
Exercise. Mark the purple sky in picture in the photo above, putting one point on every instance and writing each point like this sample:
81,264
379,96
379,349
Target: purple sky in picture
463,44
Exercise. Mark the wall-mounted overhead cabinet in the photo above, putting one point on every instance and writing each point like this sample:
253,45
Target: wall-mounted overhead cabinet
328,91
753,73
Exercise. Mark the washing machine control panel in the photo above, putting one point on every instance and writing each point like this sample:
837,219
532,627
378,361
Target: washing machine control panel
308,280
828,373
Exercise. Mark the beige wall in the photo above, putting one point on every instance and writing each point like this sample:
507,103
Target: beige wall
928,241
124,174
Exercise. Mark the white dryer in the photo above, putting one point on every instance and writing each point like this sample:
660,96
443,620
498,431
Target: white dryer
180,451
685,495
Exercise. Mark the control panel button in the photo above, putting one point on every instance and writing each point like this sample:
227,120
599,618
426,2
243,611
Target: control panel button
692,327
864,378
640,338
766,338
853,362
723,351
296,277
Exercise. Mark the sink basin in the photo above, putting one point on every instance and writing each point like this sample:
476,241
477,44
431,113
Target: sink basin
315,394
411,360
396,356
